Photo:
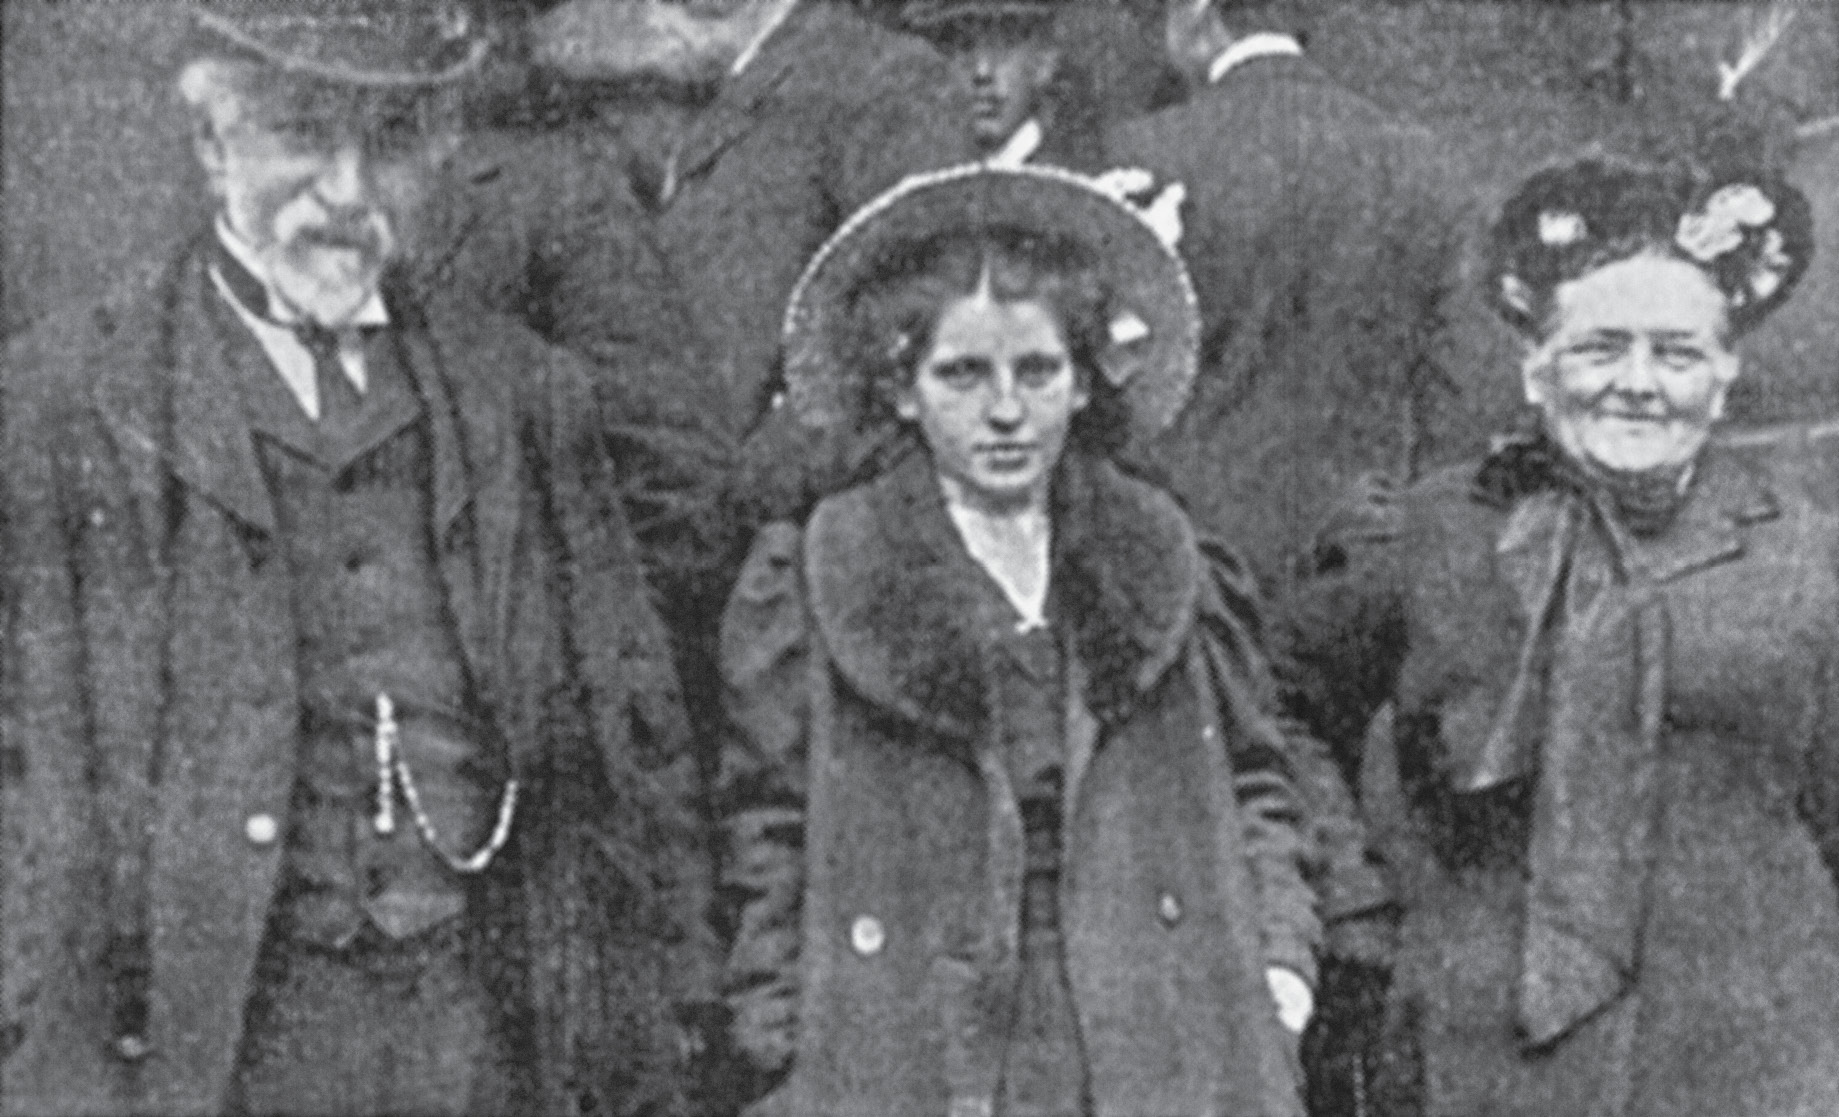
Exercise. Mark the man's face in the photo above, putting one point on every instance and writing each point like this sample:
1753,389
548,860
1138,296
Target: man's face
322,181
1005,65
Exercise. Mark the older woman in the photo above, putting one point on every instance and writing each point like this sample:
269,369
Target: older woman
1610,648
1011,831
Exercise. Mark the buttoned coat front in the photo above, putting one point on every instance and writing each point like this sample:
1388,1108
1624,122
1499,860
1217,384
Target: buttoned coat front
1731,1002
152,715
880,952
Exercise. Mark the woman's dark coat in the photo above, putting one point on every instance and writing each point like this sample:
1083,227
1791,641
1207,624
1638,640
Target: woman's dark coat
852,654
151,709
1730,1007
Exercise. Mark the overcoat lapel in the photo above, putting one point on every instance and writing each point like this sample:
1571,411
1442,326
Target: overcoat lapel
195,428
737,107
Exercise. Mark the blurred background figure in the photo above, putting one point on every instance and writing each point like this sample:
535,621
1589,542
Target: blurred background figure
1026,100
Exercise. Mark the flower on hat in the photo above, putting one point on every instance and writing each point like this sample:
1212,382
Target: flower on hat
1561,228
1705,237
1717,227
1742,203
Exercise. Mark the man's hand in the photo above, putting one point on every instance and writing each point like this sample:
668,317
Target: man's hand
1295,1001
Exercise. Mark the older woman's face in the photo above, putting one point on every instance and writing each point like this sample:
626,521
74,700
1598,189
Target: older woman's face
994,399
1636,367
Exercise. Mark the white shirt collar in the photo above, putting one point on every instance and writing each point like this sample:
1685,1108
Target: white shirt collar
372,313
1019,147
752,49
1259,44
286,353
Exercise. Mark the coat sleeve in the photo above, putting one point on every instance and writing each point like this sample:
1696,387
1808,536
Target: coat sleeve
623,689
1341,642
766,660
1269,768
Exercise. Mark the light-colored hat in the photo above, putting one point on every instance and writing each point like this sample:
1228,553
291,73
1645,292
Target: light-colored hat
1155,321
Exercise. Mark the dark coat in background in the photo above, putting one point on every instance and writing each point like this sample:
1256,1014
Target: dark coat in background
1790,361
151,709
740,194
851,651
1324,238
1732,1008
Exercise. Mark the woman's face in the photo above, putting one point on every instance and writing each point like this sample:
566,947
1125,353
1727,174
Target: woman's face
1635,370
994,398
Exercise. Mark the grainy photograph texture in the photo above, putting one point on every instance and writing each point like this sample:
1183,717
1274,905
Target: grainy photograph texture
919,558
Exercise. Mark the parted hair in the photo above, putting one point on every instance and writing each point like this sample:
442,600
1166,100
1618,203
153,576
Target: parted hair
895,315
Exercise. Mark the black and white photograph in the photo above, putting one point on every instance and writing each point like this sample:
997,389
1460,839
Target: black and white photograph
919,558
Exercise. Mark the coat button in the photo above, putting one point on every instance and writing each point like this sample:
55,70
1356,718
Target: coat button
261,829
1169,908
867,936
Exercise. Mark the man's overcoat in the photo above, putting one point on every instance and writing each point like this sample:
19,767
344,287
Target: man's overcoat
1726,1003
880,952
152,715
1324,238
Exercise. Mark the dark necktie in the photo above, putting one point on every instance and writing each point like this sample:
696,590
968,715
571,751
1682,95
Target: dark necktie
339,399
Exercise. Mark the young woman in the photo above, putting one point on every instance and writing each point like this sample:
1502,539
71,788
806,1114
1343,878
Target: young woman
1610,648
1011,830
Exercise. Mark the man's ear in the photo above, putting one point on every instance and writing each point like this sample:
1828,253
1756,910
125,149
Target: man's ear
202,88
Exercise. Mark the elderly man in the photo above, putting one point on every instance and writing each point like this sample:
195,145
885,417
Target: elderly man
344,763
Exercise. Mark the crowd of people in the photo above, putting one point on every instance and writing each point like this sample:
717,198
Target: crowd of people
822,562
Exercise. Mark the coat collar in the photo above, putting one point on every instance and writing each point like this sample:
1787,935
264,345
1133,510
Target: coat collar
193,425
894,595
1531,552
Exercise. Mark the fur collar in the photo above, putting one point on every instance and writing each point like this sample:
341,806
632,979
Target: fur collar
894,595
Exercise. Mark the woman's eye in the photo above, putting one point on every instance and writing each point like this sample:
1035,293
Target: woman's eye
1597,352
1680,356
1038,372
961,373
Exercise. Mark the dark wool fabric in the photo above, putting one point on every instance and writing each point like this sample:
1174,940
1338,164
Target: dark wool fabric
351,505
1723,1000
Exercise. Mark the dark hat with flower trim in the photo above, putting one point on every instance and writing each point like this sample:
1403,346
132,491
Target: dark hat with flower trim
402,44
1154,328
1749,230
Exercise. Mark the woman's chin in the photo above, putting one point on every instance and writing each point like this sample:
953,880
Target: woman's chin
1644,451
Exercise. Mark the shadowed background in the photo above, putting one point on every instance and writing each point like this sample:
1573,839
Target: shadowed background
97,174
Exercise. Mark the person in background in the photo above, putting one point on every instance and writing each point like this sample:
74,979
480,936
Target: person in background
1025,100
346,768
1326,239
1611,644
690,159
1008,820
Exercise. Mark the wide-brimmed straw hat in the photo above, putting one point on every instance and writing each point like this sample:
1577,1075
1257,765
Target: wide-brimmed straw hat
399,44
1155,320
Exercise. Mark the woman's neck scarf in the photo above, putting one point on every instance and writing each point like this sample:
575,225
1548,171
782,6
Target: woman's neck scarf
1582,716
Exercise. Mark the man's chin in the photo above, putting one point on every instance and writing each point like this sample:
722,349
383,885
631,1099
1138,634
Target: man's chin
329,296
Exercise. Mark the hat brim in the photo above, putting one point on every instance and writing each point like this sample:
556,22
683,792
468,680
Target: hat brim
461,61
1154,367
